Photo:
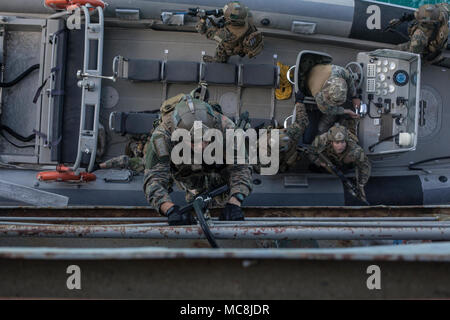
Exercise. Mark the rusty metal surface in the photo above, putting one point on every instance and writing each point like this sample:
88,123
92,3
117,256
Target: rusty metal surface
412,252
375,211
227,232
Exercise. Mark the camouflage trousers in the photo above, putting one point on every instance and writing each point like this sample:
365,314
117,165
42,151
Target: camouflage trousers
135,164
221,55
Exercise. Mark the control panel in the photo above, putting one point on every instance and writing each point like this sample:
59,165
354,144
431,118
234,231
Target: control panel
390,101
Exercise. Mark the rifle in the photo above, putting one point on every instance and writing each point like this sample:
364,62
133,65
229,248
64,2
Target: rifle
406,17
351,188
197,12
199,205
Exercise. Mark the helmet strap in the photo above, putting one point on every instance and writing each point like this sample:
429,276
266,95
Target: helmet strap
190,103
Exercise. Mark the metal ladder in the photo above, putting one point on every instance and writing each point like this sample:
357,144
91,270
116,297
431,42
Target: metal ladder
91,85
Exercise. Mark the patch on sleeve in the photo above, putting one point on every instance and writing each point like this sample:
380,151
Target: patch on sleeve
160,145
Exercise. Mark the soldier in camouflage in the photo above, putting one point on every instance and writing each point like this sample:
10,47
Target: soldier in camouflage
160,172
133,159
341,148
289,137
238,35
333,88
428,32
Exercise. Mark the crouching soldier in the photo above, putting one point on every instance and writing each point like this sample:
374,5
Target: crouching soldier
133,159
289,137
340,147
428,32
238,35
180,112
332,87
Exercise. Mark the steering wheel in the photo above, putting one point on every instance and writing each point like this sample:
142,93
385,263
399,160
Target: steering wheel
356,72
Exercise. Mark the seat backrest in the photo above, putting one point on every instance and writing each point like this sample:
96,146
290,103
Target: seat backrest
181,71
258,75
144,70
132,122
219,73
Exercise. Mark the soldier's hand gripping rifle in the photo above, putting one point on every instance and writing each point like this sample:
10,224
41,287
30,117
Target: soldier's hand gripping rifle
197,12
395,22
207,14
351,188
199,205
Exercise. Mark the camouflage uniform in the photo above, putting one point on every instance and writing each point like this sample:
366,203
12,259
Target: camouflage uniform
428,33
353,155
161,172
135,164
238,36
289,138
134,156
336,91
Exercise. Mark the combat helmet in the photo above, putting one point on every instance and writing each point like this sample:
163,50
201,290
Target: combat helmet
427,14
337,133
189,109
333,93
235,13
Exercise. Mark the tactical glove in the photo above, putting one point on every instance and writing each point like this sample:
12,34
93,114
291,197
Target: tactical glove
407,17
231,212
394,22
176,218
299,97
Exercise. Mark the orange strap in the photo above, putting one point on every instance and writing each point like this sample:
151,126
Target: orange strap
64,173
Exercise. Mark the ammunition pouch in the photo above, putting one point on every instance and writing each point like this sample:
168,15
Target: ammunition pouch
253,44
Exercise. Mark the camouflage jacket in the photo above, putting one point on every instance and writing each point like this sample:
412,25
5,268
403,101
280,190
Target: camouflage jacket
339,72
427,38
233,38
352,156
135,164
161,172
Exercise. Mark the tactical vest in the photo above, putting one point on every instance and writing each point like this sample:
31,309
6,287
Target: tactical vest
242,40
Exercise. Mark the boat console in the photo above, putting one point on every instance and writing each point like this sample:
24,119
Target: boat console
389,84
390,91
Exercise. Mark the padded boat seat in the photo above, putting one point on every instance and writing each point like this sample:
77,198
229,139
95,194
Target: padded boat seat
144,70
132,122
181,71
260,123
255,75
219,73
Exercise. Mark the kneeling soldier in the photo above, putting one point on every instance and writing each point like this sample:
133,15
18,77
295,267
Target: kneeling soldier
238,35
340,147
428,32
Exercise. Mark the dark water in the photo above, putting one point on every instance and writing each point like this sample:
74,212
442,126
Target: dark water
413,3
